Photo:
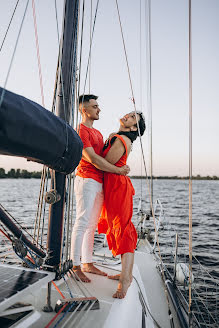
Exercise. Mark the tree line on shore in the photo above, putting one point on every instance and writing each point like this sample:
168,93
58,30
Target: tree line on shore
15,174
24,174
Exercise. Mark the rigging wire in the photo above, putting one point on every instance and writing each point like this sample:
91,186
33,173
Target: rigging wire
38,52
130,80
9,25
89,56
149,83
190,161
12,58
44,175
80,60
140,63
67,219
91,11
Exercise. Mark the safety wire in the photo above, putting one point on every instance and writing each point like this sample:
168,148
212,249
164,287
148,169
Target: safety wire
71,176
89,57
91,12
140,71
91,42
39,207
14,51
149,83
130,80
61,79
190,163
53,106
80,61
74,124
44,176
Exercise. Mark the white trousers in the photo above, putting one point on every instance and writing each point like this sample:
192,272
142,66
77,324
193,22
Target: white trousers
89,201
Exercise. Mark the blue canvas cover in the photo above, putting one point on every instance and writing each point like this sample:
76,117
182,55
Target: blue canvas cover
29,130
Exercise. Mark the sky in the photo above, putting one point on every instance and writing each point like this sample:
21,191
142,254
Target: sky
109,77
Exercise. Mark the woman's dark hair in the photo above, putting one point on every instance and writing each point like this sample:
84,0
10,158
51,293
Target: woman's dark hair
141,123
132,135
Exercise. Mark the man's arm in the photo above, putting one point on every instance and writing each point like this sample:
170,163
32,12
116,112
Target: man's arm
99,162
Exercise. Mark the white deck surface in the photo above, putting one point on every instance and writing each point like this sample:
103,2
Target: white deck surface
113,312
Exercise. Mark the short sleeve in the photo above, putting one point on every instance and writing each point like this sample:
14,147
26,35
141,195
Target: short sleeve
85,137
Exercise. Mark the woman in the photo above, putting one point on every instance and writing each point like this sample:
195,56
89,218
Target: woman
117,210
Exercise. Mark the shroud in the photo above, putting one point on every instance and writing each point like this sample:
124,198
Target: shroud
29,130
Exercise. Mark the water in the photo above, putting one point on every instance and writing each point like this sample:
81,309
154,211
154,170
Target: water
20,198
174,195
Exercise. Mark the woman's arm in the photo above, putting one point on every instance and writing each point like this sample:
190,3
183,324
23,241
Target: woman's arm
117,150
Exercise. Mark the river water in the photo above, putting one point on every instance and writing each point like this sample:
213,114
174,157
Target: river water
20,197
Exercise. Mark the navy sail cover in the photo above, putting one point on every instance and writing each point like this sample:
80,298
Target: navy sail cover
29,130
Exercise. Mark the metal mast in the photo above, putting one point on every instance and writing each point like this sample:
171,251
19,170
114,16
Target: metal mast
64,98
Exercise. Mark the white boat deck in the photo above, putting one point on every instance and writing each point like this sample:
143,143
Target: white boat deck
146,285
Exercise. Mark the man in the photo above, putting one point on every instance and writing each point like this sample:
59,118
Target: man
89,188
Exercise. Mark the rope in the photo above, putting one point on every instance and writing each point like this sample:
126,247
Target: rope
149,93
80,60
5,233
190,164
89,56
65,220
69,318
12,58
9,25
41,205
57,314
145,304
130,80
58,290
140,70
38,52
80,284
44,207
68,217
91,11
61,80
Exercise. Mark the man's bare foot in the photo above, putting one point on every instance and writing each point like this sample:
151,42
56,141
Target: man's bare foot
89,267
114,277
79,275
122,288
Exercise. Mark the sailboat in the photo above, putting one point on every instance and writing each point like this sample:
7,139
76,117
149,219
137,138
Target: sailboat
42,290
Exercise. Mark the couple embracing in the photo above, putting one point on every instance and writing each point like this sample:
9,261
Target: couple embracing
104,194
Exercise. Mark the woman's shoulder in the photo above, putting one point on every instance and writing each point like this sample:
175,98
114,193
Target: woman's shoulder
124,140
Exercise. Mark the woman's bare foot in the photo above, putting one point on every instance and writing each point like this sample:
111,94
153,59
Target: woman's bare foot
117,277
114,277
122,288
89,267
79,275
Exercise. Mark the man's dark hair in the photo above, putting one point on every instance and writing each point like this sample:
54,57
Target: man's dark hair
86,98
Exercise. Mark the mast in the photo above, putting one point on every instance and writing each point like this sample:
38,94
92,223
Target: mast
64,99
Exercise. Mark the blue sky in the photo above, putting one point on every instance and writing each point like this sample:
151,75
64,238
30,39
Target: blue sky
109,77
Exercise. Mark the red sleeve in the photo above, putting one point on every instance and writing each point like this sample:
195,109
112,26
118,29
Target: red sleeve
85,137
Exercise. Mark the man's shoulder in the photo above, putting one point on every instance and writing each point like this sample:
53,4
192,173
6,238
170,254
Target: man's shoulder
95,131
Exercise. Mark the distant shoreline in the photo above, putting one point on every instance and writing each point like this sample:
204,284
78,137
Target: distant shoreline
24,174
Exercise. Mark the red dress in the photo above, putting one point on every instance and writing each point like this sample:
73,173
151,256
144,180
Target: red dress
115,220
